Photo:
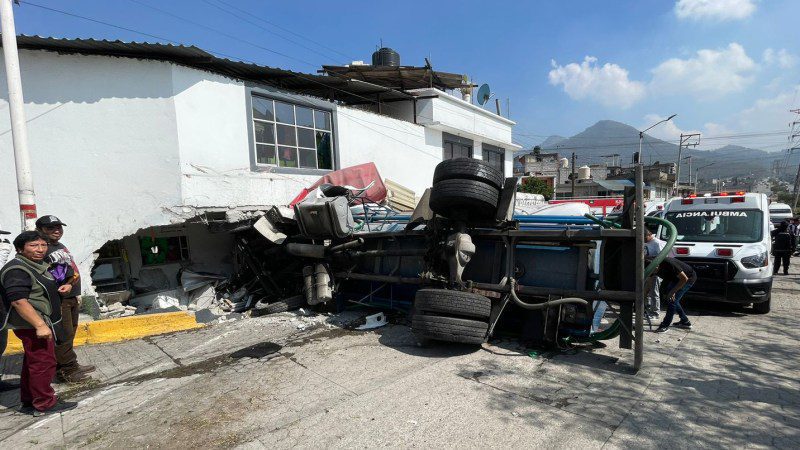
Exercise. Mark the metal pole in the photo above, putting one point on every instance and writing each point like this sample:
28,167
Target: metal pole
690,173
638,350
641,136
678,169
572,182
27,199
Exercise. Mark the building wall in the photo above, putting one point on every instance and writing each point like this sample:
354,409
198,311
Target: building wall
215,149
103,146
403,152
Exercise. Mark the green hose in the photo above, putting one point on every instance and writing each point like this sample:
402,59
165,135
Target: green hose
614,329
673,235
601,222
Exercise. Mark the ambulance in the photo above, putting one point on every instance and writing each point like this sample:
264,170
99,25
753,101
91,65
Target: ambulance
725,238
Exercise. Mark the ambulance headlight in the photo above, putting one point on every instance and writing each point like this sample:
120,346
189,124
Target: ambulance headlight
756,261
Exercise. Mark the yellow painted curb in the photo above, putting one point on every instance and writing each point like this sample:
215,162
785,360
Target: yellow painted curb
122,329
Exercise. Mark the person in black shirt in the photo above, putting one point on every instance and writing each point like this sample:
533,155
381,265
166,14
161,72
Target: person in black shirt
783,244
679,277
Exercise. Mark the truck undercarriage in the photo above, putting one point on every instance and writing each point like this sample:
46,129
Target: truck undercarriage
470,265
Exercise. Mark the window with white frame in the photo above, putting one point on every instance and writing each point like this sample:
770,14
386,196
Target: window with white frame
291,136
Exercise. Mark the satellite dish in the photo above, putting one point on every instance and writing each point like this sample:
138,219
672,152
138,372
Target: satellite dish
484,93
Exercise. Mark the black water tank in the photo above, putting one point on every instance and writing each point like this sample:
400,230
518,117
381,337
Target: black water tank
386,57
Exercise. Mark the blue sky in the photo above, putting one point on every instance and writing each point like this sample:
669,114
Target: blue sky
726,67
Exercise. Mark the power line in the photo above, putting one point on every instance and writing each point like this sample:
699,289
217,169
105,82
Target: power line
285,29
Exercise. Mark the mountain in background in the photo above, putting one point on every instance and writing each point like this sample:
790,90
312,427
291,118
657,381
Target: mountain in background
598,143
552,141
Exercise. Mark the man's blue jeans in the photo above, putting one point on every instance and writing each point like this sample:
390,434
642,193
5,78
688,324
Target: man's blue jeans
675,306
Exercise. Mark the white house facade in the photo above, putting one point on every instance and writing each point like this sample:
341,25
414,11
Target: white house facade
130,141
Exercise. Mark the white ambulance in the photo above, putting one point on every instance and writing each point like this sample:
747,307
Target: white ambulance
725,237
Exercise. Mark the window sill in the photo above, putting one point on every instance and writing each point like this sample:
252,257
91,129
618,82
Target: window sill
289,170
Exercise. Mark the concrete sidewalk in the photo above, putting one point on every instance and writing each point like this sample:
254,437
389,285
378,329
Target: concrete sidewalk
264,383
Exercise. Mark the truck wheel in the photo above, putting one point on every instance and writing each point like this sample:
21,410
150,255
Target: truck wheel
452,303
287,304
763,307
464,199
468,169
449,329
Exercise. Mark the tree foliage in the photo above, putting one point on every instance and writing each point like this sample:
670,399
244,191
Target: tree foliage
532,185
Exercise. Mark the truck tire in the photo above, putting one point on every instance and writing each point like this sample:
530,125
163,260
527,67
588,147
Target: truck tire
464,199
449,329
763,307
468,169
287,304
452,303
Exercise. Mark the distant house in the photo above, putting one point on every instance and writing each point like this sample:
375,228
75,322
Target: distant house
139,146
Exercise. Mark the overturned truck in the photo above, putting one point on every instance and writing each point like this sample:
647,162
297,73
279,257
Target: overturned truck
467,261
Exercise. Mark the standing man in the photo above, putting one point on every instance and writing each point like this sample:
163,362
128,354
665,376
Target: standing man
652,247
64,269
680,277
783,245
794,229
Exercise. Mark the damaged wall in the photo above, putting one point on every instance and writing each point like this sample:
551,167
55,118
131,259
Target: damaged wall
208,252
102,142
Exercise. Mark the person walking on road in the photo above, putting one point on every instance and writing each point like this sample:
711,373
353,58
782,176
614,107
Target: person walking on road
680,277
34,298
652,247
794,230
64,269
783,244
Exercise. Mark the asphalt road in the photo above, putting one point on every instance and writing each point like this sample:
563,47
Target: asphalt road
284,381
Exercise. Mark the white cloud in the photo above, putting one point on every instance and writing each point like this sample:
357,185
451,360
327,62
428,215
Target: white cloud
607,84
782,58
709,74
717,10
771,113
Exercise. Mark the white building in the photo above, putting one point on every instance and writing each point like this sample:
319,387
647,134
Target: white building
128,141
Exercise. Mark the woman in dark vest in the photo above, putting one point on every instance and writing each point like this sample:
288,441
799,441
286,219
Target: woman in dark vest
35,316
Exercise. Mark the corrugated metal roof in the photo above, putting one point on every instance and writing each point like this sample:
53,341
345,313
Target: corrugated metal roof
329,87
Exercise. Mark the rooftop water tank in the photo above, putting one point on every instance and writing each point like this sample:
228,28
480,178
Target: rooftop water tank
564,163
584,173
386,57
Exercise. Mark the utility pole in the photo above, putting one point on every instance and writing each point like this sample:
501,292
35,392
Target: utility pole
16,107
689,158
687,140
572,182
794,144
